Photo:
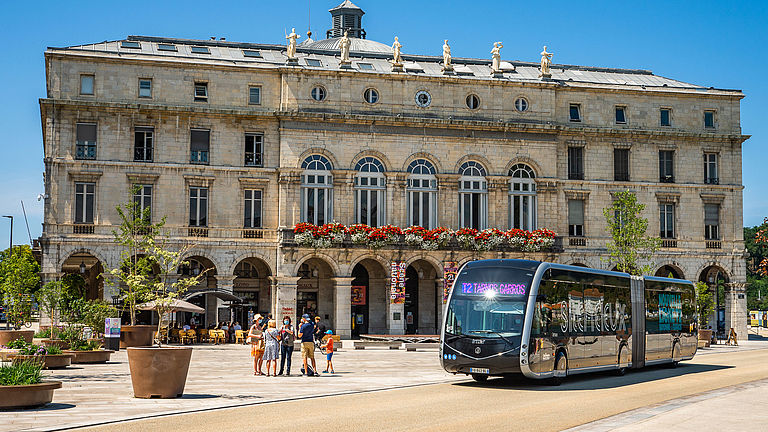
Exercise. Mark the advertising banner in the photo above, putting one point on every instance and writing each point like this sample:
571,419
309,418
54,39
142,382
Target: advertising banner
397,282
112,328
358,295
450,269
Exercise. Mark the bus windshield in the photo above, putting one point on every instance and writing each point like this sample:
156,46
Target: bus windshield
489,301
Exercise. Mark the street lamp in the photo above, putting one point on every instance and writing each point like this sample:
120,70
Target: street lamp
82,267
10,249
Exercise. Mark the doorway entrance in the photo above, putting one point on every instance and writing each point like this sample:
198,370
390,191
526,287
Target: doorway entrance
359,301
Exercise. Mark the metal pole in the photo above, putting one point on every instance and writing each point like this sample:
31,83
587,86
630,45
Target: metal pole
10,255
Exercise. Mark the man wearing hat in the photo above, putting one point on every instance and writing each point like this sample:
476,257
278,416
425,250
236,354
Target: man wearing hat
306,333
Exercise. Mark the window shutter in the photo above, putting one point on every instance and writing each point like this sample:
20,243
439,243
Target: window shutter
200,140
86,132
711,214
575,212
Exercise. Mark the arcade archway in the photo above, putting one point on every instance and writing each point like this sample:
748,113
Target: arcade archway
83,272
421,309
315,291
369,298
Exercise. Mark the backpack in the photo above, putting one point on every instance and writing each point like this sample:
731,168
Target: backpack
288,338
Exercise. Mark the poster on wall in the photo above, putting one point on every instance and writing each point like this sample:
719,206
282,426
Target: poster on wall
358,295
450,270
397,282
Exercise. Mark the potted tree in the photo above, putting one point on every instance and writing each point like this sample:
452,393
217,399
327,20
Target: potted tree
705,304
19,276
50,299
21,386
135,272
161,371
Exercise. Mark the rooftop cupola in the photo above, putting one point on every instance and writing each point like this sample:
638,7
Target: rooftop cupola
346,16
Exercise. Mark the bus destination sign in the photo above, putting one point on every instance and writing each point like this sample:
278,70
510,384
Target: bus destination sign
498,288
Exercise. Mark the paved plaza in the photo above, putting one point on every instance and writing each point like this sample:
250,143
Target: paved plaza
221,377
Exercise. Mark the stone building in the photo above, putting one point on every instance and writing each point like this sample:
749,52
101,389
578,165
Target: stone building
236,143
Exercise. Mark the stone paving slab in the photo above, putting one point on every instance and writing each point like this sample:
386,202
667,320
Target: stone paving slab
219,376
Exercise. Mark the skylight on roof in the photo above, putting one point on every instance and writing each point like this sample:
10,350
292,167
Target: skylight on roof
313,62
365,66
166,47
252,53
463,70
130,44
414,67
200,50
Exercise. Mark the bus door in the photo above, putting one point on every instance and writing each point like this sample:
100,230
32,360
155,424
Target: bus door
577,357
593,305
652,335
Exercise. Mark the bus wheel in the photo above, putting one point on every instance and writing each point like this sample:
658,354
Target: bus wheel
561,368
480,377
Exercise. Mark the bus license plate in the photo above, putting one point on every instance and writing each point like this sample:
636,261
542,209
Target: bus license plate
480,370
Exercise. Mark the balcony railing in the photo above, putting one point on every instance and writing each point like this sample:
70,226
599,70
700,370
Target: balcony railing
85,151
253,234
668,243
667,178
712,180
577,241
198,232
714,244
199,157
83,229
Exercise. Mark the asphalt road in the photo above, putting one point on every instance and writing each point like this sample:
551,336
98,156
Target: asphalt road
497,405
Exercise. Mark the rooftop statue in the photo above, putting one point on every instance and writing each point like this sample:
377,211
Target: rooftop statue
496,57
344,45
446,55
291,51
546,62
397,59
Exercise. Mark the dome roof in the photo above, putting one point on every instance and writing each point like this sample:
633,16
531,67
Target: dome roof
356,45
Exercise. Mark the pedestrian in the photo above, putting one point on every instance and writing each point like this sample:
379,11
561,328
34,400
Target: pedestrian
256,339
306,334
319,329
225,327
329,352
236,328
287,337
271,346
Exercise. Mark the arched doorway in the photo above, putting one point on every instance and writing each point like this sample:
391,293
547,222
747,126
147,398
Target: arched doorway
82,272
421,298
669,271
315,293
369,298
252,285
716,279
198,294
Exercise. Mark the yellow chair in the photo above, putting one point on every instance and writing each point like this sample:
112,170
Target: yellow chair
202,335
187,336
240,336
174,335
217,336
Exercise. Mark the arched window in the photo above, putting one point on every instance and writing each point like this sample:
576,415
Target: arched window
422,194
316,190
245,269
192,268
370,192
522,197
473,196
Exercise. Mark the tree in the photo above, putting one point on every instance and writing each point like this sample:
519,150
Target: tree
757,280
705,303
137,236
50,298
629,244
19,279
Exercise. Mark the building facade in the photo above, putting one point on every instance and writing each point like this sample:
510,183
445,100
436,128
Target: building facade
236,143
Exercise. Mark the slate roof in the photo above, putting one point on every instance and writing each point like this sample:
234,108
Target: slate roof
376,54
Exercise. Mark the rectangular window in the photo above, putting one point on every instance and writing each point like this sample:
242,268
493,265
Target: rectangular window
252,53
200,50
712,221
253,149
252,218
130,44
84,202
621,164
665,117
666,166
621,115
85,141
576,218
143,143
314,62
86,84
709,119
667,221
711,169
201,92
365,66
143,200
199,145
198,207
576,163
166,47
575,113
145,88
254,95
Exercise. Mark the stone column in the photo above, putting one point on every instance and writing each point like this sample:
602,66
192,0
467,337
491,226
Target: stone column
224,283
735,307
285,297
439,318
343,306
396,318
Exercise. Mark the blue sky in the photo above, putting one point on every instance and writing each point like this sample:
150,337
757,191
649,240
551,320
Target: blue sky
712,43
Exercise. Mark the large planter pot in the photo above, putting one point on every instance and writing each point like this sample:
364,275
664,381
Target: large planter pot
97,356
7,336
32,395
159,372
6,353
136,336
50,361
705,335
55,342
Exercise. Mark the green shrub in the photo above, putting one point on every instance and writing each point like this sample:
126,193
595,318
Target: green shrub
53,349
84,345
17,344
32,349
43,334
21,373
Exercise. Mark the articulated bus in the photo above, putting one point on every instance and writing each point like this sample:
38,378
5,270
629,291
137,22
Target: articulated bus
547,321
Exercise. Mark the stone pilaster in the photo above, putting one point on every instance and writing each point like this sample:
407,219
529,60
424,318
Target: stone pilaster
735,305
342,313
285,297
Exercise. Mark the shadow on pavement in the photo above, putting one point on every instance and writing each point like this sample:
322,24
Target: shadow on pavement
199,396
757,337
595,381
49,407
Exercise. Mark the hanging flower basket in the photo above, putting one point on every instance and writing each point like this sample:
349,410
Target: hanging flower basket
382,236
489,239
319,237
466,238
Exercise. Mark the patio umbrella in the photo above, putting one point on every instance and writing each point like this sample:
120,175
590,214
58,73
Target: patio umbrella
174,306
